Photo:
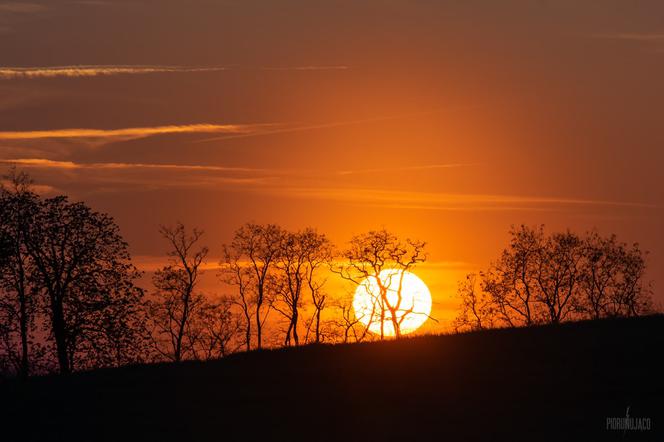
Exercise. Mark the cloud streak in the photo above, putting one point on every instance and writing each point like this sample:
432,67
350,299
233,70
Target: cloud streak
78,71
118,176
446,201
70,165
652,36
293,127
21,7
305,68
404,169
124,134
75,71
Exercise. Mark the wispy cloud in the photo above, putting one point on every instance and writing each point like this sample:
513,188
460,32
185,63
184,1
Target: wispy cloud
76,71
70,165
102,136
117,176
305,68
92,2
21,7
294,127
403,169
94,71
445,201
645,37
41,189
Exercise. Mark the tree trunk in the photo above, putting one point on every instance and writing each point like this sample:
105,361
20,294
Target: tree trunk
259,328
287,339
317,325
296,338
247,333
181,328
25,362
60,334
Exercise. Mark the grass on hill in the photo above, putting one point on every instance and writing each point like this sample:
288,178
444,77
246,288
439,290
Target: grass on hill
540,383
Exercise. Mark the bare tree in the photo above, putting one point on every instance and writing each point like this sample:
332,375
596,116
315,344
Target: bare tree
258,247
553,278
178,302
217,329
349,326
511,281
613,279
371,253
236,273
301,256
476,311
319,255
557,274
634,296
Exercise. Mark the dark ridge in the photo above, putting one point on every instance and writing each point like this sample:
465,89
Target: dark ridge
540,383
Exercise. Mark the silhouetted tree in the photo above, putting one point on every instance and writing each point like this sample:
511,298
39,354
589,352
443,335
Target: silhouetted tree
320,256
301,255
83,268
612,279
236,273
348,325
511,281
219,326
558,274
476,311
178,302
541,278
18,303
371,253
258,247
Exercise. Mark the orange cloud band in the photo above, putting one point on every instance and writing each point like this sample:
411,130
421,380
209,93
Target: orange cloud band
133,132
94,71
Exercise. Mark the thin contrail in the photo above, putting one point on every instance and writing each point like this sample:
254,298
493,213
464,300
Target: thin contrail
293,128
74,71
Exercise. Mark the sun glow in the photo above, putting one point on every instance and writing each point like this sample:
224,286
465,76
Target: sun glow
411,312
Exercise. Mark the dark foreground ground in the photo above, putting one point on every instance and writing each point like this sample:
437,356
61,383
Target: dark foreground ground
544,383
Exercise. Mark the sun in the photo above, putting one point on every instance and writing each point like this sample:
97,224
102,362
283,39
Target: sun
413,310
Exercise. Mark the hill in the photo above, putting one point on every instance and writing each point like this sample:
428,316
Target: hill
540,383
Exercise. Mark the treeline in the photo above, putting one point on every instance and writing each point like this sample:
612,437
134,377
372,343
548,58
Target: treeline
71,299
542,278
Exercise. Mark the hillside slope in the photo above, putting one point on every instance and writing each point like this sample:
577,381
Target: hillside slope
543,383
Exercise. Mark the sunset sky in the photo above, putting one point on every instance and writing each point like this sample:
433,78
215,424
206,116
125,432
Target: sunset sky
447,121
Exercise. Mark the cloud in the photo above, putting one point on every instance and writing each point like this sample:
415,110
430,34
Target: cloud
305,68
76,71
103,136
115,176
91,3
8,73
654,37
293,127
41,189
151,263
21,7
403,169
445,201
70,165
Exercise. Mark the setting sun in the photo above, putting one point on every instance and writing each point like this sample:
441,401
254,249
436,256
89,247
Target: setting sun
360,220
412,310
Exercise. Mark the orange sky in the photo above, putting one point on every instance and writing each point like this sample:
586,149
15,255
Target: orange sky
447,121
